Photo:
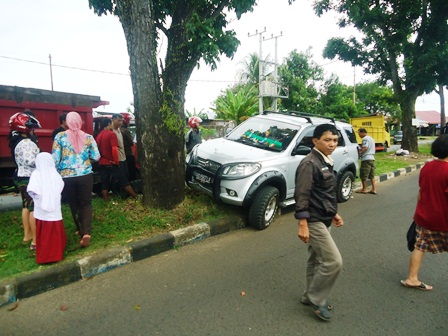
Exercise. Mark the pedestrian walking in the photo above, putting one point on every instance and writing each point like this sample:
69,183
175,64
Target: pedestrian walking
367,170
45,188
72,152
431,213
316,210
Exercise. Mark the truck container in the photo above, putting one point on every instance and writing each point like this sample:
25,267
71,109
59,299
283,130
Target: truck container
376,128
47,106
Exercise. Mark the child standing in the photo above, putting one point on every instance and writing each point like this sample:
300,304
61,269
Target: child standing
45,188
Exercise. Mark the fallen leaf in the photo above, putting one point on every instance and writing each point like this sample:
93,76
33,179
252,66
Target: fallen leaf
13,306
243,293
137,307
63,307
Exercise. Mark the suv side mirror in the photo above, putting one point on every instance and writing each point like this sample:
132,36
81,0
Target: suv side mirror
301,150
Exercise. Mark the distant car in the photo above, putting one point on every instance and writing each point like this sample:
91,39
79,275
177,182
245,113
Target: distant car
398,137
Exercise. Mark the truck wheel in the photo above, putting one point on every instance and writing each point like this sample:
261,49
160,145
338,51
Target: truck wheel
263,208
385,146
345,186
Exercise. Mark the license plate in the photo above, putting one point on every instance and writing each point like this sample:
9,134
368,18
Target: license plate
201,178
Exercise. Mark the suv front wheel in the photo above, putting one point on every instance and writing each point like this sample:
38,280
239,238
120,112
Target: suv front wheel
345,186
264,207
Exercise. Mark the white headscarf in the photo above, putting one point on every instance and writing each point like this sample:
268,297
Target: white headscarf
46,182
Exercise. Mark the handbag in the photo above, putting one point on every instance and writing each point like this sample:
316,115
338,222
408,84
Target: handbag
411,236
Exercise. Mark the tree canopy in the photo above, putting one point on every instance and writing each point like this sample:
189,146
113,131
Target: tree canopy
195,30
404,42
301,75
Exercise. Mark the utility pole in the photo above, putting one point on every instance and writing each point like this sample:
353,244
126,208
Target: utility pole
51,73
274,102
354,86
260,69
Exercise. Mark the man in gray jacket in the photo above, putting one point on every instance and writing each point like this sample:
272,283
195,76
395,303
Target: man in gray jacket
316,209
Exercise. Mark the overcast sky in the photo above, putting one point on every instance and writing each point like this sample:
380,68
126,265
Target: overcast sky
77,39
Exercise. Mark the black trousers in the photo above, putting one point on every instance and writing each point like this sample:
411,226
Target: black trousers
79,196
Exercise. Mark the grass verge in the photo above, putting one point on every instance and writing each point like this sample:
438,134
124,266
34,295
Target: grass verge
114,224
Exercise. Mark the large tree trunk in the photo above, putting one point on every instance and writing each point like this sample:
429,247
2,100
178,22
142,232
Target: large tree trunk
159,149
407,104
442,106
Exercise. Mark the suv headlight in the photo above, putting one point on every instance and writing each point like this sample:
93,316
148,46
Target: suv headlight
240,170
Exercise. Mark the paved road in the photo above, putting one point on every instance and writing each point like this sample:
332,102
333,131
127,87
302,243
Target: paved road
197,290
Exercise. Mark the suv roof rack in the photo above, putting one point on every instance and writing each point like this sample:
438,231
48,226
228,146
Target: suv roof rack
304,115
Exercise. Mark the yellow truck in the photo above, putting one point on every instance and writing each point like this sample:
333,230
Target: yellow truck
376,127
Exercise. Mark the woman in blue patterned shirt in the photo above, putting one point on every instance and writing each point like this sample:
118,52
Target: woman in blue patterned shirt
73,151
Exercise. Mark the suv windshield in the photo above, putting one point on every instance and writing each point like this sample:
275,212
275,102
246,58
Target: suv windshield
264,133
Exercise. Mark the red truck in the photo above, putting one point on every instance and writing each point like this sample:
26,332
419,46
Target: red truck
47,106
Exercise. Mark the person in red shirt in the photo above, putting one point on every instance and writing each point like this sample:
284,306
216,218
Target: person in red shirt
431,213
109,164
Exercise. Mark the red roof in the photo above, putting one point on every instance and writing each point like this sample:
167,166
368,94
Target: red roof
431,117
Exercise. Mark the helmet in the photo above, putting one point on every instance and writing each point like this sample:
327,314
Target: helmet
23,123
127,117
193,121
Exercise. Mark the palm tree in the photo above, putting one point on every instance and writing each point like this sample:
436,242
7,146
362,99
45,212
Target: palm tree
251,69
237,103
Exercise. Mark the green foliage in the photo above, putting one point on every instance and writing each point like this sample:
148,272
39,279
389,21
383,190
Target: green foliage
237,103
301,75
404,42
201,114
173,122
336,100
250,74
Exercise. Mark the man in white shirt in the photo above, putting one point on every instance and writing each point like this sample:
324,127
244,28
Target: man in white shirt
367,170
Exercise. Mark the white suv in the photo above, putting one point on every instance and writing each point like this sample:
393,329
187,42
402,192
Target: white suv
254,165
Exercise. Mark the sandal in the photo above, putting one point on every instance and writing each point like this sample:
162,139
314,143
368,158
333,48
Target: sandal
85,241
33,247
421,286
322,313
305,301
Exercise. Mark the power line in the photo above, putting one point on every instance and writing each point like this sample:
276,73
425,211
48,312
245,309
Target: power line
64,66
102,71
126,74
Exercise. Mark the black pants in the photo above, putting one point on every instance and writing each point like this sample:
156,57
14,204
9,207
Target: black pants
132,168
79,196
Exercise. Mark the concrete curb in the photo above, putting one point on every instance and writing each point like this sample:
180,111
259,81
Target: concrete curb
391,175
85,268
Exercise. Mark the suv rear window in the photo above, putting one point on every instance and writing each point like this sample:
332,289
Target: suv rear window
351,134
